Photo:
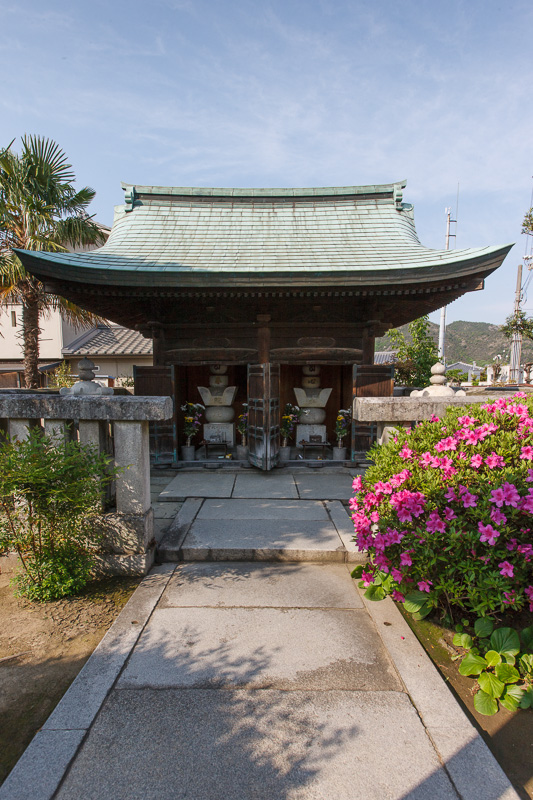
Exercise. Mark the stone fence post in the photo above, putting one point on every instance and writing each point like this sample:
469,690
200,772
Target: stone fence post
128,531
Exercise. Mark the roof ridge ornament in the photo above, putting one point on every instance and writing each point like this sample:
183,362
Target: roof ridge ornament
129,196
398,195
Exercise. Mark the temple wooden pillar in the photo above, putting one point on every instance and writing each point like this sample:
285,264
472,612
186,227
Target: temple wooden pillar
263,338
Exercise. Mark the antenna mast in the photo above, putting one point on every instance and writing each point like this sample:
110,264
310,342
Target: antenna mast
449,235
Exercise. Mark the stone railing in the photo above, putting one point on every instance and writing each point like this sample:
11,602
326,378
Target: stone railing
115,424
390,413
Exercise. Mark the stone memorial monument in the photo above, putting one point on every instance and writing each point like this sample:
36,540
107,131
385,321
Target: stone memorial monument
219,413
312,401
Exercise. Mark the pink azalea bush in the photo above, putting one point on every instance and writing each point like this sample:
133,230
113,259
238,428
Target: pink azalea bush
446,512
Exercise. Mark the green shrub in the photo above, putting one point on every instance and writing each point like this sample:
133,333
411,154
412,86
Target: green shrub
446,512
47,492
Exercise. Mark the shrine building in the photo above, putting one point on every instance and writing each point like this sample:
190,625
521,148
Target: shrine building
263,282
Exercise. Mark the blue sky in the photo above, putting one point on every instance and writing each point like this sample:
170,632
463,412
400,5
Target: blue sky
290,93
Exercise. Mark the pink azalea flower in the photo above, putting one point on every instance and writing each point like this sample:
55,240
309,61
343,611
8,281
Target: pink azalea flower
435,523
382,562
395,537
528,591
353,504
510,495
511,544
405,452
510,597
396,574
398,596
367,578
476,461
529,475
405,558
425,459
450,495
462,456
506,569
425,586
488,533
469,500
466,420
497,517
446,444
397,480
494,460
385,488
374,516
497,497
526,453
449,513
433,418
357,484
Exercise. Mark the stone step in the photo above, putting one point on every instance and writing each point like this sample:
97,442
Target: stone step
260,530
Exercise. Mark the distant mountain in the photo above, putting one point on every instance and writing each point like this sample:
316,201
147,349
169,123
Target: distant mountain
469,341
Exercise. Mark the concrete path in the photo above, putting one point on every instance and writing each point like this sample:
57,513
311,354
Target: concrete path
257,681
256,670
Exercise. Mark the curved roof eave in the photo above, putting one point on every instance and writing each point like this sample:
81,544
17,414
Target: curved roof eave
120,271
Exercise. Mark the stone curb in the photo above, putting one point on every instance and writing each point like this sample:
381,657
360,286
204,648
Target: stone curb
468,761
40,769
169,548
344,527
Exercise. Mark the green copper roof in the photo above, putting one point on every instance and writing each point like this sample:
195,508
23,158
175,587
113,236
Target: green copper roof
176,236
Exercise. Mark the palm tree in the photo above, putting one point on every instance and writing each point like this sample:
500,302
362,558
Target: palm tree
40,210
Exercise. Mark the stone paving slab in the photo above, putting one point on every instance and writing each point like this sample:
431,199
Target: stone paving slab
262,510
265,745
265,484
262,539
315,649
271,586
324,486
198,484
166,510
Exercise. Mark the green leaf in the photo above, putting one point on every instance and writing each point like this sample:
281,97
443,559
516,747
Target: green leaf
483,627
505,640
527,699
358,571
375,592
472,664
459,628
490,684
507,673
509,659
526,638
526,662
414,601
463,640
512,697
422,614
485,704
493,658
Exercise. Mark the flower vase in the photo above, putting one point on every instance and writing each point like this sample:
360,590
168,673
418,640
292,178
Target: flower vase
339,453
242,452
188,453
284,452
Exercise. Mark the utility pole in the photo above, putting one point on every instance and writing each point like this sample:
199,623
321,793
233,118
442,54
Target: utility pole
442,326
516,341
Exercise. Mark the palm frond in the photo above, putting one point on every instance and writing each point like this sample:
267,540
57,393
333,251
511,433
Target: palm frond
77,316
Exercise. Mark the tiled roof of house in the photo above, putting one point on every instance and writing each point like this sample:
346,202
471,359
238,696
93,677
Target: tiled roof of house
109,341
176,236
385,357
